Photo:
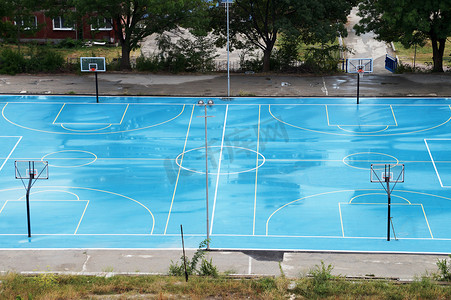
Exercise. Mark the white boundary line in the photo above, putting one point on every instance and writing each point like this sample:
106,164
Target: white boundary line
12,150
433,163
256,170
178,174
219,170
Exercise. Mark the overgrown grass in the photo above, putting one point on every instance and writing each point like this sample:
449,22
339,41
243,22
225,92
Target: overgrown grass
50,286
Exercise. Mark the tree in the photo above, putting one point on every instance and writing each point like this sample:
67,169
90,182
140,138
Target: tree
262,21
135,19
18,19
409,22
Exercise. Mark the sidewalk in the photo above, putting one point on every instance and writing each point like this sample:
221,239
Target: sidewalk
401,267
143,84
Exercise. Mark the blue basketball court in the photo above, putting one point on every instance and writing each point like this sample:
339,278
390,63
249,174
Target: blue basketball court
284,174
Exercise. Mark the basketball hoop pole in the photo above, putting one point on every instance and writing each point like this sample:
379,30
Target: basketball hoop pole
30,181
387,180
209,103
97,89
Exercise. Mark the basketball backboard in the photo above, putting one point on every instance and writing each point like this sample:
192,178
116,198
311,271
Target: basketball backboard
92,64
29,169
384,172
358,65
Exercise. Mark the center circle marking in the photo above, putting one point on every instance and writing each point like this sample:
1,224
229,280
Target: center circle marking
63,156
180,157
392,159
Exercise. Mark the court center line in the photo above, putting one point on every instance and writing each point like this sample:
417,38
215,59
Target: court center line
256,170
180,168
82,215
59,113
10,153
433,163
219,170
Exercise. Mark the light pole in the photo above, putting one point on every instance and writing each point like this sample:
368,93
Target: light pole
228,52
227,2
209,103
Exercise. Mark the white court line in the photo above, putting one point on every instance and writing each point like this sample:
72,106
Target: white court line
10,153
433,163
3,206
219,170
82,215
178,174
256,171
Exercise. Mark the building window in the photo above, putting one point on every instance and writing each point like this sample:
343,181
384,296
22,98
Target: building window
102,24
60,24
27,23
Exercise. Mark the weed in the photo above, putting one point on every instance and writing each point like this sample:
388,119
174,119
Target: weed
206,267
444,268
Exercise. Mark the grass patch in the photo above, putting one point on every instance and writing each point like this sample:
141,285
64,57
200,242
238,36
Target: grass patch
318,286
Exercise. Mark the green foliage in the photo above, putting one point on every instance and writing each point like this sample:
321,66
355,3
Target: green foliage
323,60
261,22
185,55
11,62
321,278
409,22
36,59
206,268
135,20
444,268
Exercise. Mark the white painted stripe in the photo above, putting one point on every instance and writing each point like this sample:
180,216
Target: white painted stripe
433,163
10,153
219,170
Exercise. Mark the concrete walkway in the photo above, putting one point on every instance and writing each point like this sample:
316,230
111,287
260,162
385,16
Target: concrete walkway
127,84
244,263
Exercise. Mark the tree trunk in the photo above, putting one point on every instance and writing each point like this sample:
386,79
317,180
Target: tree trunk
438,49
267,59
125,59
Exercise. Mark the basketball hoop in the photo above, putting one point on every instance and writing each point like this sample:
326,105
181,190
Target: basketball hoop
93,69
361,71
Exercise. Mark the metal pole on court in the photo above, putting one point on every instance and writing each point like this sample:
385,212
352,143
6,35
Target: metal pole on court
209,103
387,180
228,51
358,86
97,88
30,181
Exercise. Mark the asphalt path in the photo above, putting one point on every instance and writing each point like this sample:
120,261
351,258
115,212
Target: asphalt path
244,85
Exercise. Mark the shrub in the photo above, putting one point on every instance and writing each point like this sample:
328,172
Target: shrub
11,62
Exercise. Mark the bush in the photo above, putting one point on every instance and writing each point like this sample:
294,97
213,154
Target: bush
11,62
37,59
185,55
